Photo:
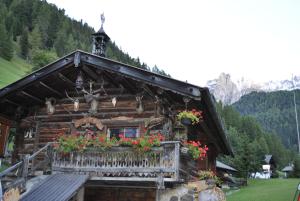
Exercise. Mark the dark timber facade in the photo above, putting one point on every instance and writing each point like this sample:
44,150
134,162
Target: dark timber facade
120,90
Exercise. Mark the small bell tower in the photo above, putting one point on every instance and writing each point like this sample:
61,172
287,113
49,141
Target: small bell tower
100,40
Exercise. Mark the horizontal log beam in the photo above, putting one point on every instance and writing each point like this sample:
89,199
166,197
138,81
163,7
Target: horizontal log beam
32,97
51,89
98,114
142,75
65,79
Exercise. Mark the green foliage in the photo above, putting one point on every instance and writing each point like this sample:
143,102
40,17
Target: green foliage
205,175
41,58
250,142
296,172
274,111
24,44
89,139
196,150
193,115
6,46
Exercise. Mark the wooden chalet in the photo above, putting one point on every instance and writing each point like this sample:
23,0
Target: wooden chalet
86,90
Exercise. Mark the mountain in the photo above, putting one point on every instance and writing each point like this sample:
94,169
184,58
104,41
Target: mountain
228,92
275,111
35,33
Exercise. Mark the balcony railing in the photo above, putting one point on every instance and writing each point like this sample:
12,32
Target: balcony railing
124,163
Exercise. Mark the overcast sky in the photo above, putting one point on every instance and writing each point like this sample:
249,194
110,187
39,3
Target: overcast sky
196,40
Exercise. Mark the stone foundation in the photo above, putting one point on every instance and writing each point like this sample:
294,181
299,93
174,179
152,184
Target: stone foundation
193,191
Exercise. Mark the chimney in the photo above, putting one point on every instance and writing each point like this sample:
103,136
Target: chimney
100,40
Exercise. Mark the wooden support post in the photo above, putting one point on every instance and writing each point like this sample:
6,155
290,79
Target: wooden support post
36,139
25,169
19,142
177,162
80,195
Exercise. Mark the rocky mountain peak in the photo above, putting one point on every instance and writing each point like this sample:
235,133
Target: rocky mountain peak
226,90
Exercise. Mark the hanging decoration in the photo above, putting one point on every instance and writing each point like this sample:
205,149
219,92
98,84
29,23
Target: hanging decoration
139,105
75,102
50,104
114,101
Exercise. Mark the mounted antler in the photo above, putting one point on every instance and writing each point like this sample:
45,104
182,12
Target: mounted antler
50,103
75,102
139,105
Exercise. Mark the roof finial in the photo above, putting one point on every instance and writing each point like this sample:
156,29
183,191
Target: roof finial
100,38
102,20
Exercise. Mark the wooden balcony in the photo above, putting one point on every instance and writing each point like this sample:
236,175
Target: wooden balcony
123,163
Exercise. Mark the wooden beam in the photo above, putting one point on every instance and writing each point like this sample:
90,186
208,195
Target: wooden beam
32,97
90,73
36,139
112,80
145,76
81,98
64,62
99,114
65,79
11,102
51,89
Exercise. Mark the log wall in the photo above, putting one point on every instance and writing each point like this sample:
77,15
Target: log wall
45,127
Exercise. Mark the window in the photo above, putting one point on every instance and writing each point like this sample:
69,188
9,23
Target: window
130,132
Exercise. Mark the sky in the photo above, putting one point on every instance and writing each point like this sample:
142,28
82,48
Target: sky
196,40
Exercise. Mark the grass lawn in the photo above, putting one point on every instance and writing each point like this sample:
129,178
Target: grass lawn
266,190
13,70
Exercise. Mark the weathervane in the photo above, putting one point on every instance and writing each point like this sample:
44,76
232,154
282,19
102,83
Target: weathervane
102,20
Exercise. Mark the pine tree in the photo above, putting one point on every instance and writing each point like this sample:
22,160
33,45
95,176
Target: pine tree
296,171
6,46
24,44
35,39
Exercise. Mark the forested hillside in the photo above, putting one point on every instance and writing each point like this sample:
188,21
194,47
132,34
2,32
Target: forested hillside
274,111
39,33
250,142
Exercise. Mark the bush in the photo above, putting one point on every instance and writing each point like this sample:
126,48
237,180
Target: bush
41,58
296,172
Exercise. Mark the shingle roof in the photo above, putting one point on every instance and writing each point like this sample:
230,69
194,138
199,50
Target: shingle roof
30,90
268,158
57,187
288,168
224,166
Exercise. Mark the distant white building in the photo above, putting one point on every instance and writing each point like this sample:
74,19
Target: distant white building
288,170
268,168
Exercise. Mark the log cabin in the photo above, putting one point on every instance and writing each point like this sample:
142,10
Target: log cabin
83,91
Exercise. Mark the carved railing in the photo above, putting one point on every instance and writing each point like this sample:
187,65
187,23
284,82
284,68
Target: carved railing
17,175
120,163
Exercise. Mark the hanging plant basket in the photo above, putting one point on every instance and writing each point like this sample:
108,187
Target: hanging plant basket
186,121
191,117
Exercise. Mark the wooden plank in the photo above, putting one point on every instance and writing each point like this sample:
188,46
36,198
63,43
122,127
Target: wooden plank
36,139
4,133
65,79
32,97
51,89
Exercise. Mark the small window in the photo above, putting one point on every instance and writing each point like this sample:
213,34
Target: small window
130,132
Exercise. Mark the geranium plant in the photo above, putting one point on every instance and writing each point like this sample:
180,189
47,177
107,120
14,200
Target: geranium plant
142,144
208,174
196,150
193,115
83,141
